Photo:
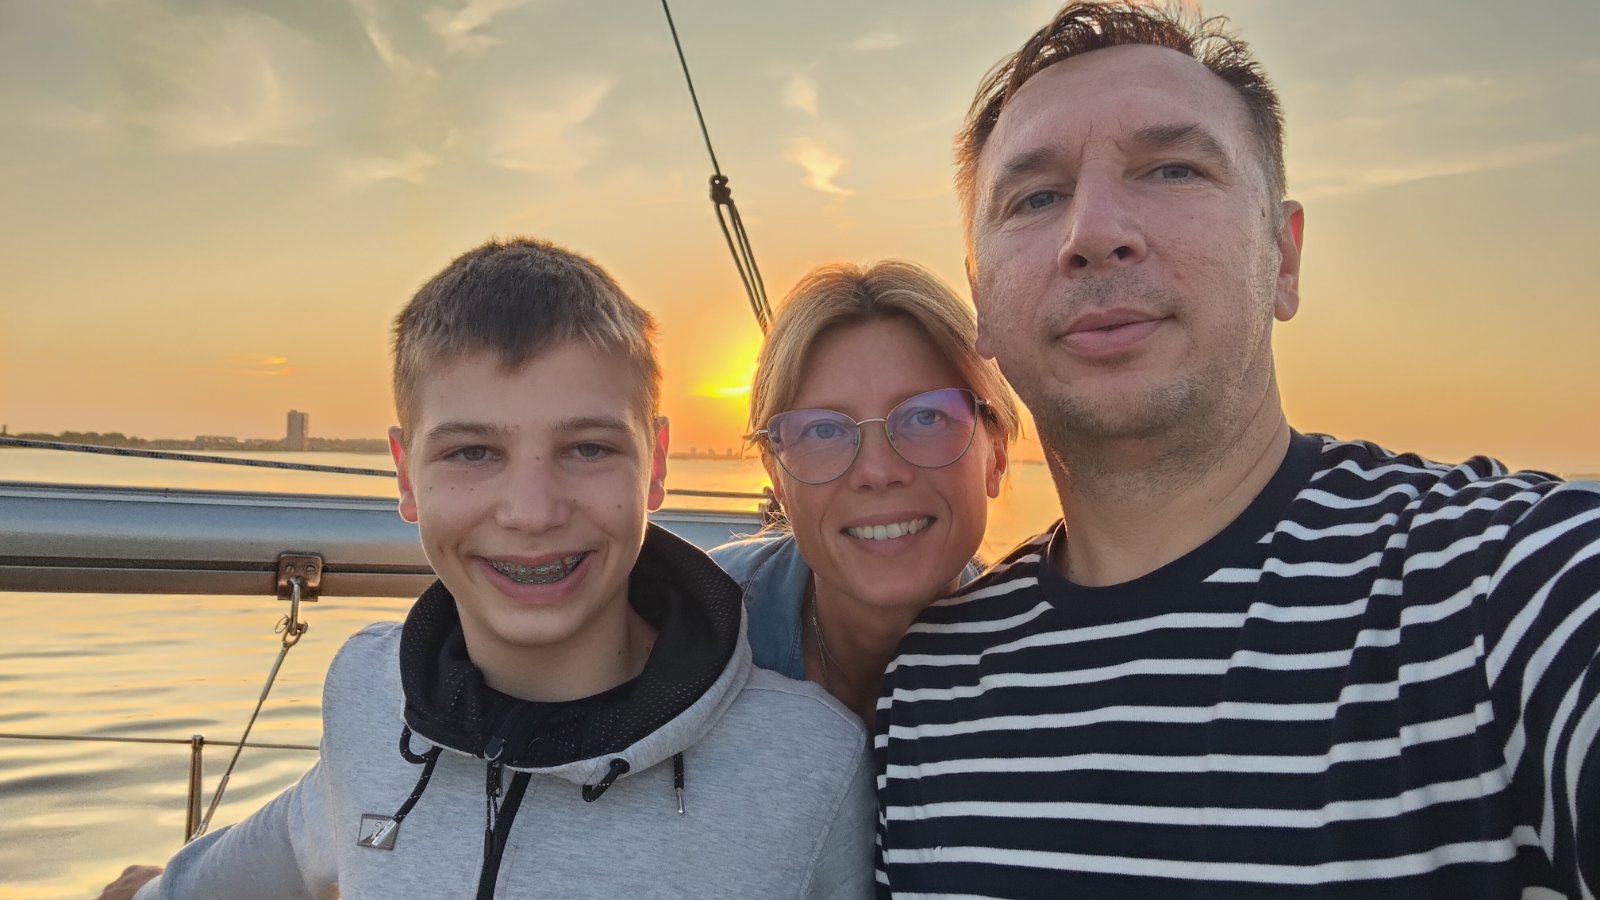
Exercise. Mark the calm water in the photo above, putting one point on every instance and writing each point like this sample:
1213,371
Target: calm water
73,814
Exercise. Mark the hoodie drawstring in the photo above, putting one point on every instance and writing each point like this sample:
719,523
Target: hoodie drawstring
677,779
619,767
378,832
592,792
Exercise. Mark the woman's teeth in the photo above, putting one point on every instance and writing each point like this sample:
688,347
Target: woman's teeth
546,573
889,532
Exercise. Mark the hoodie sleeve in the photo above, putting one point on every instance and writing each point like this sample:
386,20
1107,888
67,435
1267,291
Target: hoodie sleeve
283,850
844,864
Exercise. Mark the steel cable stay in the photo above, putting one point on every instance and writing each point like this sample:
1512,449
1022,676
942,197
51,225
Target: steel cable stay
292,629
728,218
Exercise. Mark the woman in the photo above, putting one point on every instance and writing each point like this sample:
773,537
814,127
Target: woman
884,434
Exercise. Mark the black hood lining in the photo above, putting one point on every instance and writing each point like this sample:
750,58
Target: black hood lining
695,608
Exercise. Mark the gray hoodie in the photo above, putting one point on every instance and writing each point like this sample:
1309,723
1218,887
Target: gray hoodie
776,793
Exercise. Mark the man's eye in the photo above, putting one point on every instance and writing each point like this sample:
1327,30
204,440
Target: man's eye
472,454
590,451
1040,199
1174,172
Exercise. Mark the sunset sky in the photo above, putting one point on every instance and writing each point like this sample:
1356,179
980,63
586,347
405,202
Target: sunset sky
212,210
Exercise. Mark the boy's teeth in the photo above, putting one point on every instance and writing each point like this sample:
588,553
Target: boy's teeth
890,531
545,573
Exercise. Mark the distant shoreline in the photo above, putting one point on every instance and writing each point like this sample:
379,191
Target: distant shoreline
206,443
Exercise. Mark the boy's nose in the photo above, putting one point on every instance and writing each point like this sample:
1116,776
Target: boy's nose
532,500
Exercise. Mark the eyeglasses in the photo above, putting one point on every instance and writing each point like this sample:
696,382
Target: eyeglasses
930,431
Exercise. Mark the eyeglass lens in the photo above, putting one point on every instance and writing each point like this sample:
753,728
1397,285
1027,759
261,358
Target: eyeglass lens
930,430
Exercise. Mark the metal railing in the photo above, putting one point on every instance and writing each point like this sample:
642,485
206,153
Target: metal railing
57,538
197,744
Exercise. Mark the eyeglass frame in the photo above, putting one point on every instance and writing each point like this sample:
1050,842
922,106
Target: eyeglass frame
980,410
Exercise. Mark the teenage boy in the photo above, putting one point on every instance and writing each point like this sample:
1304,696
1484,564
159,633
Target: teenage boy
570,711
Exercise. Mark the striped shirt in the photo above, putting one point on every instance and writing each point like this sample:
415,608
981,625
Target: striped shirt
1381,680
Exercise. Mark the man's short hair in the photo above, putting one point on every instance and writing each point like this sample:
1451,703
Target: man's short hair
515,299
1082,27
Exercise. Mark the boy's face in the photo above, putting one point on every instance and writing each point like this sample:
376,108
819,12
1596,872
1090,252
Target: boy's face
531,490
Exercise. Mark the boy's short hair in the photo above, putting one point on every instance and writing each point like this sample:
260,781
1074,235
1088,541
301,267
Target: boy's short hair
516,299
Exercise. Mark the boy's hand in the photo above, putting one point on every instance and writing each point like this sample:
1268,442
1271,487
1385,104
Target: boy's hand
131,879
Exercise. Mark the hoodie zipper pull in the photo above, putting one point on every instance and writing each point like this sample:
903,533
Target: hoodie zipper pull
492,751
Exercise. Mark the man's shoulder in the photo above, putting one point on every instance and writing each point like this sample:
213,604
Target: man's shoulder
1363,480
1018,568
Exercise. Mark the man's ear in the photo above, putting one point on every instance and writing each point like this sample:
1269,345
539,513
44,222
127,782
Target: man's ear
658,467
408,494
1291,237
982,343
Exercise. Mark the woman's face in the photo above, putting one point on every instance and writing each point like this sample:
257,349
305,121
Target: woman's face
864,371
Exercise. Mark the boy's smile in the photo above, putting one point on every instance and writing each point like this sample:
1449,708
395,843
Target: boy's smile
531,489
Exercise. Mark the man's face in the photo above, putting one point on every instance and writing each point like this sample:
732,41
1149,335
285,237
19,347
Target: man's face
1127,256
531,490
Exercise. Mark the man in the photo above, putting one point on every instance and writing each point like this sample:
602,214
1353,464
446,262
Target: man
570,710
1252,662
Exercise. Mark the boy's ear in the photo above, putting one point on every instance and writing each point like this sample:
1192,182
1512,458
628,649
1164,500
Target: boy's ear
408,496
658,467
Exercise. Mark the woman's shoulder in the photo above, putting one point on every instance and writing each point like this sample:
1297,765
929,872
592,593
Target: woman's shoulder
743,558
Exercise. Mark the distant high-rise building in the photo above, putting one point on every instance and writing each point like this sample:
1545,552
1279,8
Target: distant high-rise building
299,434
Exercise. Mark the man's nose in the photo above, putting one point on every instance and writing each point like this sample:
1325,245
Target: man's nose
1102,231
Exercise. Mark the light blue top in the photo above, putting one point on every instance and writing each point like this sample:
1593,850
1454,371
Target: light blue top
774,577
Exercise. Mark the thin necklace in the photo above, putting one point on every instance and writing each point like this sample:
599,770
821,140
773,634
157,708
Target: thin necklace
823,656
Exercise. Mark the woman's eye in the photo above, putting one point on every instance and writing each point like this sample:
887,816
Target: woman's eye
1174,172
925,417
824,431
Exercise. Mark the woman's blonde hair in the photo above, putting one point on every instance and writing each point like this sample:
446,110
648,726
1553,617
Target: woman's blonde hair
841,294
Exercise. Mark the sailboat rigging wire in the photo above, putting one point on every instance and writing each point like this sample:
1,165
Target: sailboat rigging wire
292,629
729,220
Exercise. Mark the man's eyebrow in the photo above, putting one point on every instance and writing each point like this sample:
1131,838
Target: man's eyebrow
1192,137
1021,167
